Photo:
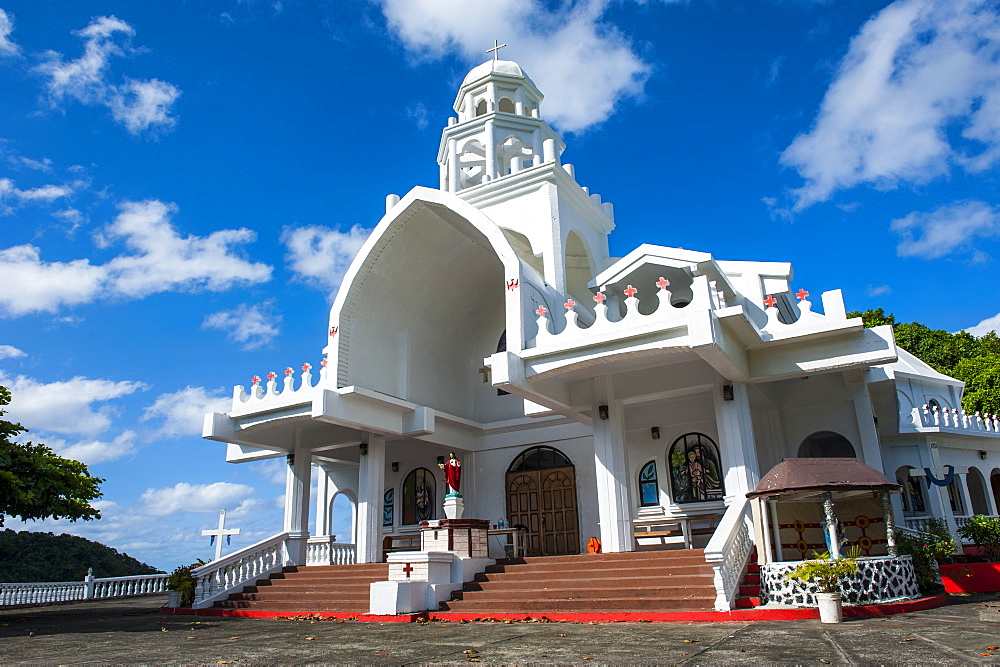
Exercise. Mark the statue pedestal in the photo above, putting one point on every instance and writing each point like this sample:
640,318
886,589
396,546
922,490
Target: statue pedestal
454,506
466,538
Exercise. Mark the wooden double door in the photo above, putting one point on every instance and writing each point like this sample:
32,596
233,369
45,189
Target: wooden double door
545,502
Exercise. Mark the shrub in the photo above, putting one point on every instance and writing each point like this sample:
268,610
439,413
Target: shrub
926,548
984,531
826,572
183,581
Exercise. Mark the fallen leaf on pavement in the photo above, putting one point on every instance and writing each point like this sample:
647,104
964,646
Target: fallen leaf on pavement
164,630
992,648
309,639
690,641
824,661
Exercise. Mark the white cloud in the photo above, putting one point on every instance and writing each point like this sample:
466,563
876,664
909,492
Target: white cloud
65,407
986,326
917,92
7,47
320,256
183,412
45,164
11,352
92,451
11,195
949,229
877,290
161,261
137,104
184,497
253,326
583,65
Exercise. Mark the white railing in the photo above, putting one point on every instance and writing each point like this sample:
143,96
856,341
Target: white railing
325,550
728,551
954,419
47,592
916,523
216,580
268,393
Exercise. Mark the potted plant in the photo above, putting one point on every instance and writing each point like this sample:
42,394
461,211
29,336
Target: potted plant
181,583
826,573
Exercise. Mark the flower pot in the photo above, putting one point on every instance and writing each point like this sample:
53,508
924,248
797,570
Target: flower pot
830,610
174,599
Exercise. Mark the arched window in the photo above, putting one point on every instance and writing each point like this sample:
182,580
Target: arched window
695,471
506,105
539,458
825,444
913,493
649,492
388,507
419,492
481,108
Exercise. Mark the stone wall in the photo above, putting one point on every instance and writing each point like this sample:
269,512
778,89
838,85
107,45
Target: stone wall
879,579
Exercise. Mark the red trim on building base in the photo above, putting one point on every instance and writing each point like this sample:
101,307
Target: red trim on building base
736,615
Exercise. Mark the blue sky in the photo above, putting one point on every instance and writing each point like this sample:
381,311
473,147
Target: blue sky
183,184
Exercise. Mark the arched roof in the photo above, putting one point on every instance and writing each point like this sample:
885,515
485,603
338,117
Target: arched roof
506,67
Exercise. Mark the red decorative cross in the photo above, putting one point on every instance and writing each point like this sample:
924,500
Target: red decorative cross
600,297
802,294
662,283
272,375
630,291
770,301
306,367
324,362
255,380
289,371
569,304
333,331
511,284
407,568
541,311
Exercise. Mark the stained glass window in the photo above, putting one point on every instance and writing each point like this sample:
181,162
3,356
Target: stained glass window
419,492
649,494
388,507
539,458
695,470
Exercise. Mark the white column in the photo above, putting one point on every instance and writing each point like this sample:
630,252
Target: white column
297,483
871,450
371,480
490,141
454,168
613,505
962,479
322,526
736,442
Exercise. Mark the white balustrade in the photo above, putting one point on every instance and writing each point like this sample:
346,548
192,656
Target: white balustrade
954,419
269,392
916,523
728,551
325,550
216,580
610,326
833,307
90,588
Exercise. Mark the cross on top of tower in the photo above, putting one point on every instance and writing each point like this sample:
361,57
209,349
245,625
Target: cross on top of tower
496,49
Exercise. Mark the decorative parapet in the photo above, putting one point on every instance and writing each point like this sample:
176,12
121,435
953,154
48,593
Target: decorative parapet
833,307
268,394
878,579
953,419
705,297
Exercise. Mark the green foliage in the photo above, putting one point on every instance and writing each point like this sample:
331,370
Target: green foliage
932,544
984,531
185,582
826,572
30,556
973,359
35,483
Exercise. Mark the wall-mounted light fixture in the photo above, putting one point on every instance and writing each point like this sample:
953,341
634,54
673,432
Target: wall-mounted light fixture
602,411
440,460
364,448
983,454
727,392
656,432
395,466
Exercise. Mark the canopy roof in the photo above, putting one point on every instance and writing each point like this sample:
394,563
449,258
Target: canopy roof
821,474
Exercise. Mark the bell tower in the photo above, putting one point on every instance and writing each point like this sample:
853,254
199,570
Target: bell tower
498,131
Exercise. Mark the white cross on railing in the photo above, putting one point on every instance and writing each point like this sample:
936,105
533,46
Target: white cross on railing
217,533
496,49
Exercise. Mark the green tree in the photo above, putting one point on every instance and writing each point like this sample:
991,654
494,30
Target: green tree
36,483
975,360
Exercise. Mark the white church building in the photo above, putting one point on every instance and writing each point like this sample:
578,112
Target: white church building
585,395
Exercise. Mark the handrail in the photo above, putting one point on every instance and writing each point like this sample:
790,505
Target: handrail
219,578
47,592
728,550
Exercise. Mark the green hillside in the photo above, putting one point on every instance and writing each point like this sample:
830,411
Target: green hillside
28,556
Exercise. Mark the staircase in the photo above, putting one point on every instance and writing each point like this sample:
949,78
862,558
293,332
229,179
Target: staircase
649,581
318,588
748,595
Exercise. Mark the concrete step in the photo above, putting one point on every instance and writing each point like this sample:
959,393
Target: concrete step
292,606
304,597
593,605
607,576
353,586
511,580
665,593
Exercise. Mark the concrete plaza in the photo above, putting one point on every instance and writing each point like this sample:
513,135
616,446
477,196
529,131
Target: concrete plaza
133,631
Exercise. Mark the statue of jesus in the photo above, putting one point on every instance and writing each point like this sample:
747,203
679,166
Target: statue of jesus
452,472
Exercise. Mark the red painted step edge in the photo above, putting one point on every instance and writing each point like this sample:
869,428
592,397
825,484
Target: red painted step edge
757,614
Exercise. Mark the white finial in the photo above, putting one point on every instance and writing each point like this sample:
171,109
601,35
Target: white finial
496,49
